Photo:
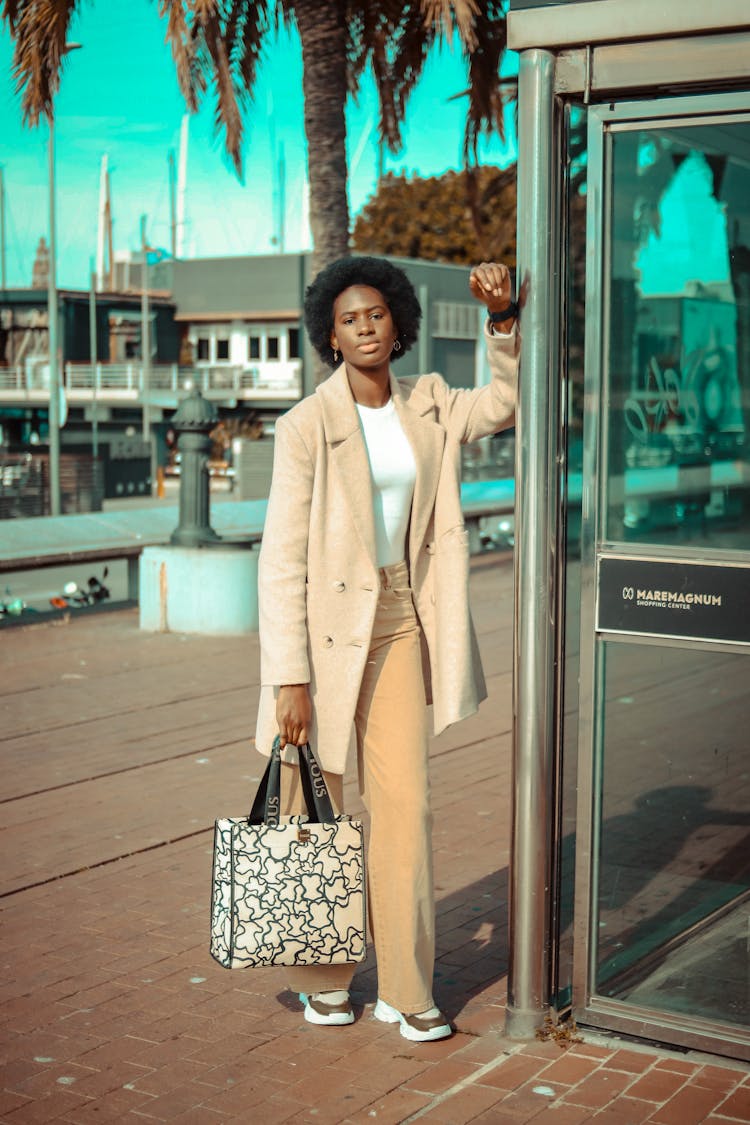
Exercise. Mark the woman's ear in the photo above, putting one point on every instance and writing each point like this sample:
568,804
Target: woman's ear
334,342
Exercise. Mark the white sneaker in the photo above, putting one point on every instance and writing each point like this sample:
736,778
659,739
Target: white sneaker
317,1011
417,1029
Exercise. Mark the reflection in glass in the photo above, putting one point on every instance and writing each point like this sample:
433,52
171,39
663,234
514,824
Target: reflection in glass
575,274
674,882
679,353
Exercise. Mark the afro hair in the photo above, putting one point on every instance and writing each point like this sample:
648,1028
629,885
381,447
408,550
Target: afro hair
388,279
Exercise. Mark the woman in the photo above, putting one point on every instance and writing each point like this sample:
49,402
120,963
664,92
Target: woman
363,589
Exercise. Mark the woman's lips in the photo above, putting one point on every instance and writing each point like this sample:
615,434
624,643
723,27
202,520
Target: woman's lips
369,347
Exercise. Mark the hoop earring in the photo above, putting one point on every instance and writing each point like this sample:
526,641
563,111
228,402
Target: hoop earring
396,346
335,355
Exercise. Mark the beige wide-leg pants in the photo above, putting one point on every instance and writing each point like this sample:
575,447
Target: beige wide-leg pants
391,727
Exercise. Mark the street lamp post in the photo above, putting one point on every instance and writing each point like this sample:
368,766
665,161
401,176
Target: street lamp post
52,325
2,229
94,358
145,337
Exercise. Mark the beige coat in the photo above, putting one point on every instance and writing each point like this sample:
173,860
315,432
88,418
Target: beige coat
318,577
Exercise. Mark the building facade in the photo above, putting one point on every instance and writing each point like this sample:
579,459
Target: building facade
233,326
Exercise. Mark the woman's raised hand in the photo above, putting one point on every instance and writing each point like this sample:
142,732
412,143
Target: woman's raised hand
294,714
489,282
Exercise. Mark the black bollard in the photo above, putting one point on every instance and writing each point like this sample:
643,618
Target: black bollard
193,422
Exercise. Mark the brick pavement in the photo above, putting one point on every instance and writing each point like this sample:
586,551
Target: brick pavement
118,750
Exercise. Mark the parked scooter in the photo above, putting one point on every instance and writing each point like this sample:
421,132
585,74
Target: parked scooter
497,535
11,607
75,596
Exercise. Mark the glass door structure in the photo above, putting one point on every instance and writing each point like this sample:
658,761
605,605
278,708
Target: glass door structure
662,899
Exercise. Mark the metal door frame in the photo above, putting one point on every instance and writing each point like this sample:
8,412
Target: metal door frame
591,1009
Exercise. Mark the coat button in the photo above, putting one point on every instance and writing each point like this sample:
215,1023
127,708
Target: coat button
430,548
327,642
339,587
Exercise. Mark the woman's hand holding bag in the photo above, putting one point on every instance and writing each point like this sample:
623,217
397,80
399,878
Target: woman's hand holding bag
294,714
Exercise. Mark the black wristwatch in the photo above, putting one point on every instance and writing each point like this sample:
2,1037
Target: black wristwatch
504,314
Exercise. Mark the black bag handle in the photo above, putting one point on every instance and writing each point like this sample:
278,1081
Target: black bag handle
267,804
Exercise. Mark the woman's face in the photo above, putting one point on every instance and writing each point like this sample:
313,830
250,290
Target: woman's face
363,329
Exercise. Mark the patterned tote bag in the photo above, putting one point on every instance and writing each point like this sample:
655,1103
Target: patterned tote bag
288,890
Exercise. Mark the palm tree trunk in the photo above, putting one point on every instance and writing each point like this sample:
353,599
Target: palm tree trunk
322,29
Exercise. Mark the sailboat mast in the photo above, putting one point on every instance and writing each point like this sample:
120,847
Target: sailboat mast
181,188
3,277
102,222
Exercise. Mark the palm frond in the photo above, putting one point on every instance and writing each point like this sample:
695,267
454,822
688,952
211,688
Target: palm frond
183,42
444,17
39,29
218,43
481,30
371,24
409,47
487,94
10,11
251,37
284,14
229,96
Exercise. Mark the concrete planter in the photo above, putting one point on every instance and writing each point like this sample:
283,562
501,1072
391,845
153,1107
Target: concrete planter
211,590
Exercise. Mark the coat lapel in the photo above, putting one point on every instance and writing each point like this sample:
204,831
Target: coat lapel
346,442
427,441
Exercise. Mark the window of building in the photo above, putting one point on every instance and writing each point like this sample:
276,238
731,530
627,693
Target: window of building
204,349
294,352
456,320
222,349
272,347
253,347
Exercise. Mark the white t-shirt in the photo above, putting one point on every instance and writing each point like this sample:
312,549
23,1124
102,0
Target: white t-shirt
393,471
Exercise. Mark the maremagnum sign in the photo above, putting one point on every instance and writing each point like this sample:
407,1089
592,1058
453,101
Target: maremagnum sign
670,598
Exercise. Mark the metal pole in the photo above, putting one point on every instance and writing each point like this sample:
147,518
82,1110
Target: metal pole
108,227
101,222
425,339
145,337
282,198
93,356
3,277
528,978
172,205
54,371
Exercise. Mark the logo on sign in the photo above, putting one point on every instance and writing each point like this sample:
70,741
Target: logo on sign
668,599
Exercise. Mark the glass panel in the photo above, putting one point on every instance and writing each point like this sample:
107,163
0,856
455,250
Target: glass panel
678,446
674,882
572,400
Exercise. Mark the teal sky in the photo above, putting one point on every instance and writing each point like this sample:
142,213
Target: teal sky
119,96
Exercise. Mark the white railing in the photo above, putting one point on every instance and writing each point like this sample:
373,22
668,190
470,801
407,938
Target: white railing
12,379
259,380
